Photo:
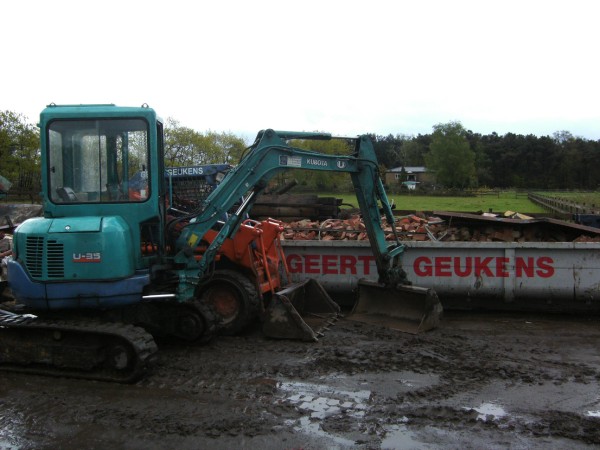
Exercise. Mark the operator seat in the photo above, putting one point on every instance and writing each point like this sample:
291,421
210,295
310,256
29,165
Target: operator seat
66,194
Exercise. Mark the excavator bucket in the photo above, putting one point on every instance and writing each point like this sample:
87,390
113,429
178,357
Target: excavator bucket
300,311
405,308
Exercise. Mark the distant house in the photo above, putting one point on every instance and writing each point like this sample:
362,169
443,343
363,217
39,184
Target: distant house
409,176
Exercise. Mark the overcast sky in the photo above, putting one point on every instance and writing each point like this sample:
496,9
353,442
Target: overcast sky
346,67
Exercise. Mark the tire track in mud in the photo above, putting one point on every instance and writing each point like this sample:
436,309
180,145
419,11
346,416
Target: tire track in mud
253,371
458,359
360,385
465,364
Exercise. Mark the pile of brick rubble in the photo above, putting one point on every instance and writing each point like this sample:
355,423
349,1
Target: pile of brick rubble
421,228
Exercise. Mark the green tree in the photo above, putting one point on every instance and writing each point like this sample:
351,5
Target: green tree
482,160
19,150
224,147
187,147
412,153
450,156
321,180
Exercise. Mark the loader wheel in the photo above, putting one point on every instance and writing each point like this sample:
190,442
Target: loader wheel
233,297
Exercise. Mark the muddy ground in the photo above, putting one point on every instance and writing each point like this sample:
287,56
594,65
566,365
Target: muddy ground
479,381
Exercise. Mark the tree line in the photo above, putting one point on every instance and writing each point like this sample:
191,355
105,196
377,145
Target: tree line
458,158
461,158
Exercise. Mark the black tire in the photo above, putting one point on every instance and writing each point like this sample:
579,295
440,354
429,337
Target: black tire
233,297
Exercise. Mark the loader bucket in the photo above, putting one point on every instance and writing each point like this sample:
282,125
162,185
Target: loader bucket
405,308
300,311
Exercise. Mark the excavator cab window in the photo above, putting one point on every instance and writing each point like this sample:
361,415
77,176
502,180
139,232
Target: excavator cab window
97,161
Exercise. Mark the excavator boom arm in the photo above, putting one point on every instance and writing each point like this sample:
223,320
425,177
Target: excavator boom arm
270,155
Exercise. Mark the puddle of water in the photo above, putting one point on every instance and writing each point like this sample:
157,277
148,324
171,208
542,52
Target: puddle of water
350,396
594,412
489,411
390,384
8,445
314,429
399,436
11,427
321,401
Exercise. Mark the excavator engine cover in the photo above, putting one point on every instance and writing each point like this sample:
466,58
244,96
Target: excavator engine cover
405,308
300,311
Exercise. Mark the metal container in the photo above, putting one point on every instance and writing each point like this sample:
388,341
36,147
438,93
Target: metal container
536,276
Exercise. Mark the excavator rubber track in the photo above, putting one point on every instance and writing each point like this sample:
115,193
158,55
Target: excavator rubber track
91,350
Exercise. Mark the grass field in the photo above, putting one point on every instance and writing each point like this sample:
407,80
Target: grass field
506,201
498,203
587,198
